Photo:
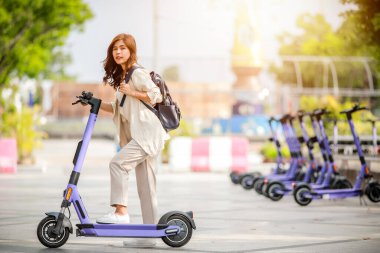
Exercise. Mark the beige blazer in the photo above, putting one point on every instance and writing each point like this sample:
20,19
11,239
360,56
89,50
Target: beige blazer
135,121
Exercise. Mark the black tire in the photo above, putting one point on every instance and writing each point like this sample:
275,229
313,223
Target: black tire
298,195
247,182
373,192
264,189
185,234
342,184
258,185
235,177
47,238
271,191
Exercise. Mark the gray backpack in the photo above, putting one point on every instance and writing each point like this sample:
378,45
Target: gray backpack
167,111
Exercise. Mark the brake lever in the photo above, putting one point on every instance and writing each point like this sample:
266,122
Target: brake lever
81,100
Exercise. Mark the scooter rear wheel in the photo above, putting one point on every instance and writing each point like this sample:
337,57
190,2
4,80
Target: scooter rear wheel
47,237
373,192
299,193
183,236
342,184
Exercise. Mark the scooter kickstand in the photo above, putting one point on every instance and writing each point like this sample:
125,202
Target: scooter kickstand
362,199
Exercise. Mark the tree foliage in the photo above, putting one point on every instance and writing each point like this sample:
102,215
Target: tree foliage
359,35
31,34
361,29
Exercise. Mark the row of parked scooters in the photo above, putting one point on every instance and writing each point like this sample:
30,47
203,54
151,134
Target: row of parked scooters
319,181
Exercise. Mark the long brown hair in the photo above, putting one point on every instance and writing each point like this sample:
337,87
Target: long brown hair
114,72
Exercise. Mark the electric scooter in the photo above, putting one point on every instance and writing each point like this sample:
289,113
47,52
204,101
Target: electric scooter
304,194
296,162
328,177
375,149
247,179
276,189
175,228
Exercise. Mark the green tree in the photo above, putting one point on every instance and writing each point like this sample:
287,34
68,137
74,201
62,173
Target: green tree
359,35
361,28
318,38
32,33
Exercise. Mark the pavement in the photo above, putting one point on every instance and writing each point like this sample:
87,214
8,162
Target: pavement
228,218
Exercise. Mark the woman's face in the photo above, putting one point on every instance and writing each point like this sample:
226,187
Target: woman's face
120,52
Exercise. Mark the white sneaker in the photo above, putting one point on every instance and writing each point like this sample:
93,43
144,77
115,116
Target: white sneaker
141,243
113,218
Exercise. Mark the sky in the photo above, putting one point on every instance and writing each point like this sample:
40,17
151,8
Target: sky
196,36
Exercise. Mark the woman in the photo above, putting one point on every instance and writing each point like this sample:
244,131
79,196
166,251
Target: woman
142,136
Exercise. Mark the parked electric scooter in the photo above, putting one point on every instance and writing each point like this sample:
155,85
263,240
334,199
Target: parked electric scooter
375,148
295,153
246,179
175,228
328,177
304,194
276,189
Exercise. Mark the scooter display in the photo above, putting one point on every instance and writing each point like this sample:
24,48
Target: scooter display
175,227
304,194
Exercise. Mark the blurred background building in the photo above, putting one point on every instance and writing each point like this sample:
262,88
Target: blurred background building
229,64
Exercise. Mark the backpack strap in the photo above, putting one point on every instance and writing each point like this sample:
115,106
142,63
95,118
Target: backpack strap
128,76
151,108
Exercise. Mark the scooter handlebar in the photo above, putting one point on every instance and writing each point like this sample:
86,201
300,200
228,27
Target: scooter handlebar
84,98
284,118
320,112
354,109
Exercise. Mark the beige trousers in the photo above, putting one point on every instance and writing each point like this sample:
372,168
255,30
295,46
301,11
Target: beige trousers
130,157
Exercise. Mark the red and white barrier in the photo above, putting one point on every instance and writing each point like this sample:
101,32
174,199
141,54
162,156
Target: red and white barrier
180,153
8,156
217,154
200,154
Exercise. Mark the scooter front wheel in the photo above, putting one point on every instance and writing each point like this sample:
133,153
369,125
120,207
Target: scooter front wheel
274,191
247,182
47,237
235,177
300,195
184,234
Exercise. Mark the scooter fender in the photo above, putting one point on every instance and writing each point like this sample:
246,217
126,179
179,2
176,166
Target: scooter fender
257,178
66,221
302,185
278,182
186,215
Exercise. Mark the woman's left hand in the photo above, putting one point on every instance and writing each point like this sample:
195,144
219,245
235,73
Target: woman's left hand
126,89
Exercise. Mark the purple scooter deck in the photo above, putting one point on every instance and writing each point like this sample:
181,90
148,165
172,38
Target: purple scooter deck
127,230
